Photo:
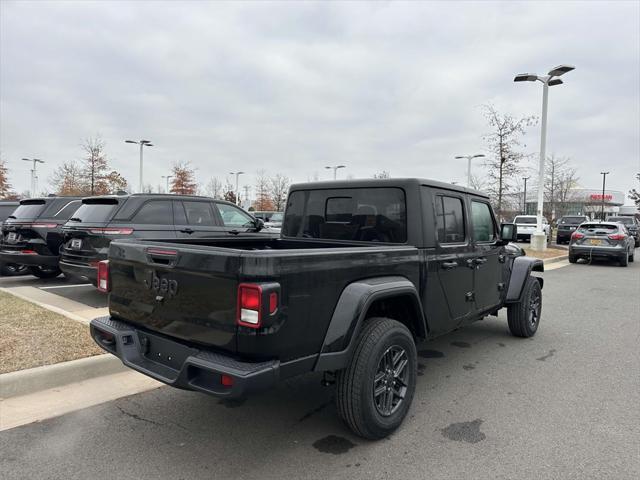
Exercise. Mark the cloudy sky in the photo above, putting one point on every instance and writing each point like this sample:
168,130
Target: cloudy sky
291,87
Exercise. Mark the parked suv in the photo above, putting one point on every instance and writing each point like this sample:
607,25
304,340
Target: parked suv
100,220
527,226
362,272
567,225
632,224
608,240
32,235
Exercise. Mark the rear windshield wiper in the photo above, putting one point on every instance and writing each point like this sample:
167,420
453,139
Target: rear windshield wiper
75,219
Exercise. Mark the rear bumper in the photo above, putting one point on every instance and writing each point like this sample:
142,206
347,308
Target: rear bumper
608,252
179,365
85,272
20,258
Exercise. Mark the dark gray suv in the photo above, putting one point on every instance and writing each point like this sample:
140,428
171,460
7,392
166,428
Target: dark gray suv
604,240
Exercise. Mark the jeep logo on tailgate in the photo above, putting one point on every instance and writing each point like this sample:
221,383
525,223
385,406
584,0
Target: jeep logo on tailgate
163,287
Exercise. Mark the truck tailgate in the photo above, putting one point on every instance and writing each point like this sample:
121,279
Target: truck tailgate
185,292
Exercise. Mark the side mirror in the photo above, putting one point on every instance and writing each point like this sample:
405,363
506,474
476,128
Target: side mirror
259,223
508,232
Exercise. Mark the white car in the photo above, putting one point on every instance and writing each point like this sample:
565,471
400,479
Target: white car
527,226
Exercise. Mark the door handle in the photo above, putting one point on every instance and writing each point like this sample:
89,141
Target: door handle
187,230
480,261
449,265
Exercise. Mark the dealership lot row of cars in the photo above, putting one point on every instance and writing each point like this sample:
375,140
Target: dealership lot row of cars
53,235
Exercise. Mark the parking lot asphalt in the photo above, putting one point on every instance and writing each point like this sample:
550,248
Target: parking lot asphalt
70,289
564,404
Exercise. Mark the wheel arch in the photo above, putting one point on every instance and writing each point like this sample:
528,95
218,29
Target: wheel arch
379,296
520,271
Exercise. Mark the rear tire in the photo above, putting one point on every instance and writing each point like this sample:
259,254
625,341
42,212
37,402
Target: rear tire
11,269
384,360
624,261
631,256
524,316
45,272
573,259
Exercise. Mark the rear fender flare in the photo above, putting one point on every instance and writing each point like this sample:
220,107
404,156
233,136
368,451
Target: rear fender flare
350,313
520,271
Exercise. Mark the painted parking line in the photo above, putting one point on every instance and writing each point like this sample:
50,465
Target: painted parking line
66,286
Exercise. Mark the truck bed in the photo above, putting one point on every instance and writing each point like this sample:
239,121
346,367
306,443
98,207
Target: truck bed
202,276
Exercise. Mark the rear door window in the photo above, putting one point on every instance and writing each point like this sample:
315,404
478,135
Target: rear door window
450,219
156,212
483,225
199,214
68,209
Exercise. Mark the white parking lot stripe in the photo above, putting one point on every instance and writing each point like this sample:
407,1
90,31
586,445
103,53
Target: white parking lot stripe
65,286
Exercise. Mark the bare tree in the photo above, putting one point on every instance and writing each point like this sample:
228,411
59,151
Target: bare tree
5,187
504,144
229,193
214,188
278,190
69,179
382,174
477,182
95,165
560,180
634,194
263,202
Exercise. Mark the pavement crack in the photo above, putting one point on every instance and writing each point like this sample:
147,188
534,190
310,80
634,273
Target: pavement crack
548,355
138,417
314,411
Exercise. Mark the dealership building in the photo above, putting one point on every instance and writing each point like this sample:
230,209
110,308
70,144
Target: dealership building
582,201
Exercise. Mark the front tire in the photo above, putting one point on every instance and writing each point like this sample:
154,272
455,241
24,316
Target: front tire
524,316
45,272
374,392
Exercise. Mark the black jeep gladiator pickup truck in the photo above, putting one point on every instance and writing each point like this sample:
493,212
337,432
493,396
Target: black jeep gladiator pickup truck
362,271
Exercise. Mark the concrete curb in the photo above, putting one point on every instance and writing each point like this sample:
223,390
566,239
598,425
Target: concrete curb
46,306
556,259
33,380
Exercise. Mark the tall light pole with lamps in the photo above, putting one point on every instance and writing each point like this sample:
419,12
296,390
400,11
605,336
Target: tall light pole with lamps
524,202
335,169
142,143
539,238
604,182
237,174
34,174
469,157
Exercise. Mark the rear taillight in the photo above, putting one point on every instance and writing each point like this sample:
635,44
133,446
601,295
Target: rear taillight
112,231
249,305
577,235
44,225
617,236
103,276
29,252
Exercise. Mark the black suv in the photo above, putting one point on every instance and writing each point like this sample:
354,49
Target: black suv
362,272
567,225
32,234
632,224
100,220
6,208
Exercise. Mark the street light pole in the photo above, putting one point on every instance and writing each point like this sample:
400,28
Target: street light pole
335,169
539,238
34,174
469,157
237,174
525,195
167,177
142,143
604,181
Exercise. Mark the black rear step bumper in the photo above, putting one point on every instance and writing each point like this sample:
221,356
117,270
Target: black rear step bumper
179,365
29,259
86,272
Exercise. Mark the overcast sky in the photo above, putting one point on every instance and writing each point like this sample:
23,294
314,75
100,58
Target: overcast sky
292,87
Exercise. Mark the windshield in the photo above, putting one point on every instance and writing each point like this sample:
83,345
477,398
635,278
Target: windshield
29,209
527,220
95,212
572,220
625,220
361,214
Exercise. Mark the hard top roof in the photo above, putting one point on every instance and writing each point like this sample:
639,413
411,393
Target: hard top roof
385,182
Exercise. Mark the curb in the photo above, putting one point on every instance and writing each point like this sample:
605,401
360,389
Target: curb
556,259
33,380
46,306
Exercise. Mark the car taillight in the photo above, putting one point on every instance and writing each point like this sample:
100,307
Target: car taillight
44,225
29,252
577,235
617,236
249,305
103,276
112,231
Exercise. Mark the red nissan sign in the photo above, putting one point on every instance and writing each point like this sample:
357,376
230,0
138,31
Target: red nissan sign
600,197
